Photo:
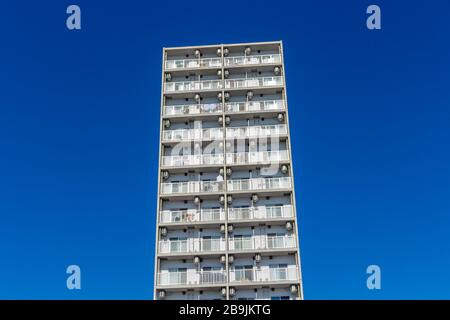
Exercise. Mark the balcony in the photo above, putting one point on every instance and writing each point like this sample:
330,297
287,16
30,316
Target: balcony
256,131
180,64
192,160
184,86
192,134
252,106
252,60
192,187
191,278
193,109
191,216
253,82
260,213
262,243
264,274
191,245
257,184
257,157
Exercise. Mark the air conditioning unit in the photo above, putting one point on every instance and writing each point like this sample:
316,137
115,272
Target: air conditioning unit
163,231
284,169
220,120
167,123
232,291
222,228
222,199
197,97
162,294
219,96
254,197
230,259
280,117
223,291
197,53
197,260
229,199
247,51
223,259
257,257
165,174
230,228
227,96
226,73
168,76
229,172
293,288
226,52
219,52
250,95
227,120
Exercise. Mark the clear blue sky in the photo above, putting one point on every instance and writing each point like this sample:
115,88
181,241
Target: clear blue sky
79,128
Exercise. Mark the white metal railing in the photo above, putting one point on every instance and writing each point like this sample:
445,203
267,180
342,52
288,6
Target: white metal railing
191,277
264,274
192,160
192,85
262,243
253,82
191,215
251,60
259,184
192,187
257,157
191,109
191,245
266,105
261,212
193,63
256,131
192,134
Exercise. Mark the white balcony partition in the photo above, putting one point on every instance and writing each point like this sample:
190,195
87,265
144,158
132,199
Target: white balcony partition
192,134
259,184
262,243
264,274
258,157
252,106
192,85
253,82
192,215
192,160
191,277
192,109
260,212
256,131
192,245
252,60
193,63
192,187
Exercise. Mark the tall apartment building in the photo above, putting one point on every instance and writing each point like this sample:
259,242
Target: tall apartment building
226,220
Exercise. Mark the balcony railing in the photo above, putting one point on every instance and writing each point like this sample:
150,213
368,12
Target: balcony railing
193,63
267,105
192,215
191,277
192,160
252,60
192,187
257,157
253,82
264,274
192,134
260,212
192,85
256,131
259,184
191,245
192,109
262,243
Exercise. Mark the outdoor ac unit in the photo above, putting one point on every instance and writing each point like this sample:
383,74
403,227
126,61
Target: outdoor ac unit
229,199
219,52
230,228
226,52
227,96
280,117
162,294
163,231
226,73
219,73
229,171
219,96
284,169
248,51
222,199
197,97
197,200
222,228
220,120
196,260
227,120
250,95
167,123
257,257
254,197
230,259
277,70
168,76
223,291
293,289
232,292
165,175
223,259
197,53
288,226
